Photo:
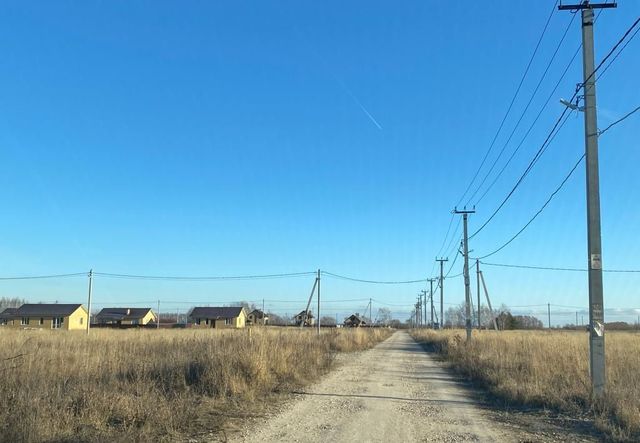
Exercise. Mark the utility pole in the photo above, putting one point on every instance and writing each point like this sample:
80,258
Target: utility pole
318,301
370,318
478,278
442,260
89,301
594,246
549,314
158,324
467,290
431,280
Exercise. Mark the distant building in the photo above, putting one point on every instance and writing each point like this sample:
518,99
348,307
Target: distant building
257,317
47,316
300,317
354,321
126,316
218,317
7,317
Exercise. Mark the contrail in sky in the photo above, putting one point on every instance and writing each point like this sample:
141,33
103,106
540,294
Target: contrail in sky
355,99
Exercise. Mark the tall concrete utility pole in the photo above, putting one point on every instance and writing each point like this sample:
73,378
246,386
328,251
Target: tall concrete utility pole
594,246
423,293
318,277
89,301
431,280
370,309
478,289
442,260
467,289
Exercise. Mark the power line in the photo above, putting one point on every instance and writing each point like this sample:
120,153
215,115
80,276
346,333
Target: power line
553,194
619,120
207,278
551,268
524,111
552,133
379,282
513,99
40,277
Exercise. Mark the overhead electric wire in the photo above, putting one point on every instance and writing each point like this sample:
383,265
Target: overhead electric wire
544,106
552,268
206,278
513,99
379,282
553,194
40,277
619,120
618,54
526,108
553,131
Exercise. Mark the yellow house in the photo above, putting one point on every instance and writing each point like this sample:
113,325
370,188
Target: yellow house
215,317
50,316
126,316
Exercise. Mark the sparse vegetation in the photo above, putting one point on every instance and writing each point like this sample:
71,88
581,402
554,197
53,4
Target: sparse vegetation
550,369
137,385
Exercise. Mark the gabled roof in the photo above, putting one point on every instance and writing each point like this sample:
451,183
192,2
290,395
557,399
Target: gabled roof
301,314
123,313
216,312
8,313
258,313
46,310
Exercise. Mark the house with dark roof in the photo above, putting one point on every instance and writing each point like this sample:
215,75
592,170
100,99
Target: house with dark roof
354,321
307,318
50,316
257,317
7,317
218,317
126,316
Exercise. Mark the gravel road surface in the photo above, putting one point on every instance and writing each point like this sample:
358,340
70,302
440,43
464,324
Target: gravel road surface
395,392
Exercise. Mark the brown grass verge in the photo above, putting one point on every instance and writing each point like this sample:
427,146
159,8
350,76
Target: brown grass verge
139,385
551,370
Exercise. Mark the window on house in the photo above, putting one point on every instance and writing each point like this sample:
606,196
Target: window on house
41,321
227,321
197,321
135,321
57,322
81,320
24,321
3,322
206,322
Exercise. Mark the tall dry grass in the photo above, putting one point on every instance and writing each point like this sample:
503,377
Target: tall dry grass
145,384
550,369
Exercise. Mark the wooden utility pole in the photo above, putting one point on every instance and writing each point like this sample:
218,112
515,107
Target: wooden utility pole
594,245
478,289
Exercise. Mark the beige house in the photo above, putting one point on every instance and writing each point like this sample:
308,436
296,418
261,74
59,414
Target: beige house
47,316
126,316
7,317
308,319
257,317
218,317
354,321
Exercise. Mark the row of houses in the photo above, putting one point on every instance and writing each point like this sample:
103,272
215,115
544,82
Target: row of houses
75,317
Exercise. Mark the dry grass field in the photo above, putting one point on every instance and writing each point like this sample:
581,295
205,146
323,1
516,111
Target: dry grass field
550,369
138,385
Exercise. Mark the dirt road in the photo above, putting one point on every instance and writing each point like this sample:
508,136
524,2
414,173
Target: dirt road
395,392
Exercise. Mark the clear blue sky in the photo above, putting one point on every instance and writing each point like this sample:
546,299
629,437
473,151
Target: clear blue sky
226,138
